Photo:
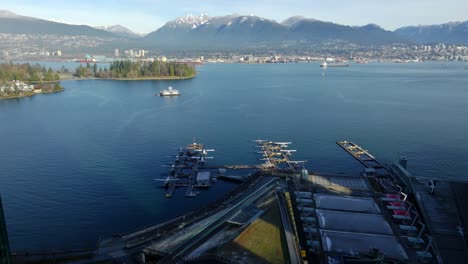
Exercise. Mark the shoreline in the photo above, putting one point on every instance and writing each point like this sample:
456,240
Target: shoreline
131,79
29,94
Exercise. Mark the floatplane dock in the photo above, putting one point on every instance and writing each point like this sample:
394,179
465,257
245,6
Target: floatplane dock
190,168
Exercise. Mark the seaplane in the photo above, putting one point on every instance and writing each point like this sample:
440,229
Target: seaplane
167,180
202,158
283,144
204,151
296,162
173,166
288,151
278,160
272,154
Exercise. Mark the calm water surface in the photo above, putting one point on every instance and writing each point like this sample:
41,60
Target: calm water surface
80,164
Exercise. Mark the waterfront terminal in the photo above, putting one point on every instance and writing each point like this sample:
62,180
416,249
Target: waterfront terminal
282,213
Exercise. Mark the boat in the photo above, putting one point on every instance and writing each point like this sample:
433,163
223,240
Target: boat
88,59
361,61
169,92
334,64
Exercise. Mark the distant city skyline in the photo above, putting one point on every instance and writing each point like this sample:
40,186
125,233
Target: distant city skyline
144,16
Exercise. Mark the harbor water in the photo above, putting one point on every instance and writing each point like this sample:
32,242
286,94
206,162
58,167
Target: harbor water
80,164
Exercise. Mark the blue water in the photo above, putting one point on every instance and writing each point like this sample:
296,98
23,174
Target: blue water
80,164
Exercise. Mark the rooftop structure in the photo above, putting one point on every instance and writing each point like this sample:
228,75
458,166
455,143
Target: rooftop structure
203,179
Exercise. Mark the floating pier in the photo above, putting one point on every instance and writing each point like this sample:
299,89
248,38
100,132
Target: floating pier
364,157
190,170
183,172
275,155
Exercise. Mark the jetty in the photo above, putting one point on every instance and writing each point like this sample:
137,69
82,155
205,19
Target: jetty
276,155
185,171
192,171
434,208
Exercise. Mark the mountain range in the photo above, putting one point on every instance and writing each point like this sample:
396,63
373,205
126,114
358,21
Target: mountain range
12,23
450,33
238,31
120,31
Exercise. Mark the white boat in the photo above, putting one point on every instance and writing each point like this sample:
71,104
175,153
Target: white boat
334,64
169,92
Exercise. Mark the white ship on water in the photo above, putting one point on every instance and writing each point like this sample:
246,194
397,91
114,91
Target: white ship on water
169,92
333,63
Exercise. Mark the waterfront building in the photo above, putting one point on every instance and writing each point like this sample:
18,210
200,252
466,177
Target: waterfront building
204,178
4,246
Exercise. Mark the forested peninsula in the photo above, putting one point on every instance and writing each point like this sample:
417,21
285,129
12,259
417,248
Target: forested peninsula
21,80
128,70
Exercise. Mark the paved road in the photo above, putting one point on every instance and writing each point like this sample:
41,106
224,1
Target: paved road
292,246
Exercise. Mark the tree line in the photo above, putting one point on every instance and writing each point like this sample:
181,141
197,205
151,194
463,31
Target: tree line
27,73
129,69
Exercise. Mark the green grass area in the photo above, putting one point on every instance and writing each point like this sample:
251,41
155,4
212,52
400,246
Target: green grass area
263,240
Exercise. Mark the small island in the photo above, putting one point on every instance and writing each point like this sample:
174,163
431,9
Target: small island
129,70
22,80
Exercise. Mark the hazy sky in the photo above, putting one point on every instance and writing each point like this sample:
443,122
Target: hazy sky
147,15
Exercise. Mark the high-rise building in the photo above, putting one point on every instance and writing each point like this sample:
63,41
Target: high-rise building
4,247
116,53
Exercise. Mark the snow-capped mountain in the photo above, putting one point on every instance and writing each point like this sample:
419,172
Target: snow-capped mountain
188,21
451,33
8,14
245,31
292,20
120,31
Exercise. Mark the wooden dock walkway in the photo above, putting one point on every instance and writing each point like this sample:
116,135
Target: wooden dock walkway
446,214
170,189
364,157
234,167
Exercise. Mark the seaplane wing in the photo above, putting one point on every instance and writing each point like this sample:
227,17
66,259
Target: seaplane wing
166,180
179,148
282,143
204,150
296,161
173,166
288,150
